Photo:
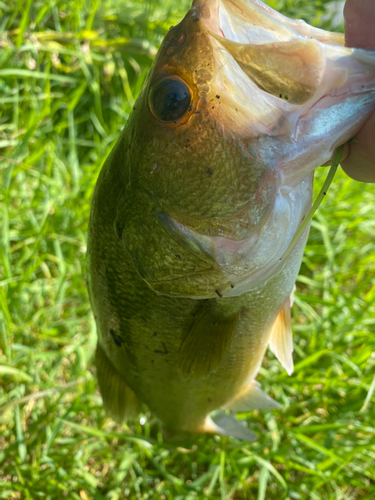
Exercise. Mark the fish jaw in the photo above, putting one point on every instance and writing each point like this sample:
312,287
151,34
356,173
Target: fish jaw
259,54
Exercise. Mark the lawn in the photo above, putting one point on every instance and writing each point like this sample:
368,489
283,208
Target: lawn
69,73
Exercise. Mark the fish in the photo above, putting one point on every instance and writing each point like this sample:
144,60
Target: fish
197,205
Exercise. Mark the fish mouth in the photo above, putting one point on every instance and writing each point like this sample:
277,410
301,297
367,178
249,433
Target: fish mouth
293,90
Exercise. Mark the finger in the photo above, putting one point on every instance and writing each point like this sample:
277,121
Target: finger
359,24
359,32
360,162
345,153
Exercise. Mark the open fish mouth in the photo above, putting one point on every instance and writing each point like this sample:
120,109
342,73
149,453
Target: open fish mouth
290,94
275,66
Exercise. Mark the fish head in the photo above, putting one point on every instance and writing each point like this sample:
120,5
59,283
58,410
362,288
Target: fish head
239,108
190,149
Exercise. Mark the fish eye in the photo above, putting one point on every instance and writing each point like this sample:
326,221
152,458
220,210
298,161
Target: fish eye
170,99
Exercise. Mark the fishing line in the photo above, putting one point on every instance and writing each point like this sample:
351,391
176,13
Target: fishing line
319,199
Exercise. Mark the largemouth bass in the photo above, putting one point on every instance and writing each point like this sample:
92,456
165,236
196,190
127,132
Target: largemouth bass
200,199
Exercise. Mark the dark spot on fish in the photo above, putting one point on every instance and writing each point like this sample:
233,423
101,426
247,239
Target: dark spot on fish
218,293
217,96
134,107
232,286
164,351
119,229
178,256
213,107
281,96
236,109
209,400
324,193
155,334
115,337
286,98
209,171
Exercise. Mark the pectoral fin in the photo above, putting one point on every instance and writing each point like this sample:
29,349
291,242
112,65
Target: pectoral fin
281,340
119,400
206,341
290,70
252,398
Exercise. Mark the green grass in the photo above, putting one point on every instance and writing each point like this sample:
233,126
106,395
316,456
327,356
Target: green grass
69,72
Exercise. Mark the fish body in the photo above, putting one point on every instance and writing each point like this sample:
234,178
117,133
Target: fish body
199,200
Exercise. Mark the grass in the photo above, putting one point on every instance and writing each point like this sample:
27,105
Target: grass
69,73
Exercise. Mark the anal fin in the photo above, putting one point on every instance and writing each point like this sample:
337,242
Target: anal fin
252,398
120,402
206,341
228,425
281,340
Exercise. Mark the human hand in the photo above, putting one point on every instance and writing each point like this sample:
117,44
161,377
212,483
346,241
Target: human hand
359,163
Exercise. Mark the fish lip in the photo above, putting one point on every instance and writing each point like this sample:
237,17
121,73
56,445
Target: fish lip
219,16
231,19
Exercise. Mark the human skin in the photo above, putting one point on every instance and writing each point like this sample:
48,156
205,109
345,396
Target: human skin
359,163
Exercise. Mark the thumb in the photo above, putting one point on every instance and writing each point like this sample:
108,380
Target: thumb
359,18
